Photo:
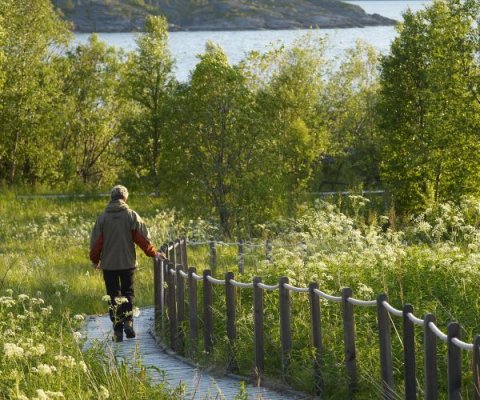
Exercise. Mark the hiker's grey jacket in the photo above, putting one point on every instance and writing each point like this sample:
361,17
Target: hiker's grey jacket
114,236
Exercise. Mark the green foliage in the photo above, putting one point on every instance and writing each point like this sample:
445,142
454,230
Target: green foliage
33,34
429,108
147,85
88,134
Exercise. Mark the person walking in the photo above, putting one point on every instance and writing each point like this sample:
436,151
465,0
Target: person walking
112,249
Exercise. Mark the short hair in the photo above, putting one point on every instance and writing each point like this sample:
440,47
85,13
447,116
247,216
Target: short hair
119,192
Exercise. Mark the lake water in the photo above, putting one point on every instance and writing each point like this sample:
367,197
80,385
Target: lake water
186,45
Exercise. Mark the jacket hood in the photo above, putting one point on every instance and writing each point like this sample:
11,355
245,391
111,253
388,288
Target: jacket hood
116,206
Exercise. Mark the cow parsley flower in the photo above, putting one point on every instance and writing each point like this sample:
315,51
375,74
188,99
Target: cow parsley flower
11,350
106,297
121,300
103,392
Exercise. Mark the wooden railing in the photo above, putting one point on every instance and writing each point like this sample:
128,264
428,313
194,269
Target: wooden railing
181,285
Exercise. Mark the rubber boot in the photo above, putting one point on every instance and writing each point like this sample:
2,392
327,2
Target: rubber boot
129,331
118,332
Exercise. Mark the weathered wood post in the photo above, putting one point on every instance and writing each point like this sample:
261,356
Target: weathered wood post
213,257
172,307
258,328
385,348
454,365
241,257
285,325
171,253
180,311
208,311
192,310
184,261
316,328
430,359
268,250
409,354
230,301
349,339
157,295
178,252
476,368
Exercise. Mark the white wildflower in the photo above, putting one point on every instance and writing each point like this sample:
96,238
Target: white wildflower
22,397
83,366
23,297
121,300
77,336
78,317
38,350
106,297
44,369
11,350
58,294
136,312
36,300
66,361
103,392
9,292
9,332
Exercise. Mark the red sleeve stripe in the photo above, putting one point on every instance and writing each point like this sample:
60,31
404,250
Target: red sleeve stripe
96,250
143,243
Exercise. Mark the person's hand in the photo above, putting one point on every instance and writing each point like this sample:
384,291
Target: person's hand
159,256
96,266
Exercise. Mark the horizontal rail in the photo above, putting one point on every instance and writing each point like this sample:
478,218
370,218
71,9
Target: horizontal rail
415,320
465,346
197,277
392,310
241,284
215,281
438,333
295,289
268,287
363,303
183,274
327,296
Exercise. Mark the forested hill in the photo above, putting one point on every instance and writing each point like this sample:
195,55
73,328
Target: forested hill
129,15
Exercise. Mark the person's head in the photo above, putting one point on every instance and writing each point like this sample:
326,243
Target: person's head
119,192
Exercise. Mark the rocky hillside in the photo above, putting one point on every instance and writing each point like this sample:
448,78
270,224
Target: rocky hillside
195,15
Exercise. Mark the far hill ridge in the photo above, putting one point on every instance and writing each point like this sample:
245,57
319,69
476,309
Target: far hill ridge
198,15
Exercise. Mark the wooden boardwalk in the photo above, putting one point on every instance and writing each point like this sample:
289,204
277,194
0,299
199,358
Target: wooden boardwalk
199,384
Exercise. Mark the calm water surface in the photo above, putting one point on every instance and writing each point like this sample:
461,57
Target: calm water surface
186,45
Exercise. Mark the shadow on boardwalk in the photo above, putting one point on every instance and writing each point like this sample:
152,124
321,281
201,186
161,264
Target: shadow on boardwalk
198,383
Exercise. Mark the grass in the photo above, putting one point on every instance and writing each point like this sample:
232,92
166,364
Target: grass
431,263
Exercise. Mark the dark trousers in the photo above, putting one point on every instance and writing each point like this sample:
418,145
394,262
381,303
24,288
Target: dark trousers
120,284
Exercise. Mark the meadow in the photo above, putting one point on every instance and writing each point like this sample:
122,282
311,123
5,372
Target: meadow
47,287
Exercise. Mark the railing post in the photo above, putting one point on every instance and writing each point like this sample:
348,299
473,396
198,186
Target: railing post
157,284
241,257
409,354
430,359
172,307
178,253
268,250
180,311
349,339
385,348
316,327
184,262
213,257
207,311
476,368
258,328
171,253
285,325
454,363
192,310
230,300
